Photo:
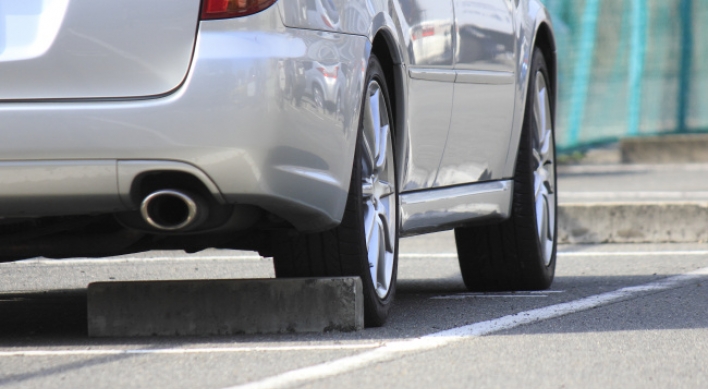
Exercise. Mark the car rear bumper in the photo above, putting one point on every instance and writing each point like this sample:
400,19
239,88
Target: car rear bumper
241,121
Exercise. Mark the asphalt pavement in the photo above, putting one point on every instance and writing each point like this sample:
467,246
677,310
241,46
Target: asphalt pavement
632,183
633,316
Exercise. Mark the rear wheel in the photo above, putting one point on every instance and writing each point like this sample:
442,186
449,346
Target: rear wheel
520,253
366,242
318,96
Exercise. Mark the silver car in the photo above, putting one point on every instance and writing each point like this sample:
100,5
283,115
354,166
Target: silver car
137,125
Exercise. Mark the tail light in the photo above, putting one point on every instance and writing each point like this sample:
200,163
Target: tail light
219,9
327,74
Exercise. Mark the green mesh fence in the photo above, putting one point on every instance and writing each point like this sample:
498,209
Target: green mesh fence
630,68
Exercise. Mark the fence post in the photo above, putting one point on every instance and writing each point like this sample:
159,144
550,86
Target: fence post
686,64
583,70
636,64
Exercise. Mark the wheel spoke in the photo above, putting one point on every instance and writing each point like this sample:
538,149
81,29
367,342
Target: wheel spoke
368,145
537,182
387,204
384,223
545,149
386,189
373,251
369,221
367,189
541,118
540,215
381,281
538,158
375,110
383,149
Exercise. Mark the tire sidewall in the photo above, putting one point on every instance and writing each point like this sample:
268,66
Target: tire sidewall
539,65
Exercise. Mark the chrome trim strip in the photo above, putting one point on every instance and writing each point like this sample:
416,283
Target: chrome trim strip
433,75
462,76
446,208
483,77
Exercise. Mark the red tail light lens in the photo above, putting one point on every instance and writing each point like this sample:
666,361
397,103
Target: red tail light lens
219,9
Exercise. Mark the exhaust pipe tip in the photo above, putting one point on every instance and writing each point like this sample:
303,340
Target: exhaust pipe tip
170,210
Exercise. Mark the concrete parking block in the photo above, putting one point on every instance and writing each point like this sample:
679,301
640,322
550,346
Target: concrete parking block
657,222
224,307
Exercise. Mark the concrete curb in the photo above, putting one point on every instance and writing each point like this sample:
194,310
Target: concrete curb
681,222
224,307
675,148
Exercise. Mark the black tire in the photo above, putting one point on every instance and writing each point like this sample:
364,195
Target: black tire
342,251
509,255
318,97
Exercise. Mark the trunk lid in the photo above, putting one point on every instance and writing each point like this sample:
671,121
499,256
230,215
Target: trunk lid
76,49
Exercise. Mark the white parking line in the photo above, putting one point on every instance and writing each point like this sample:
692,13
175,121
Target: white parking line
114,261
564,196
131,260
210,350
689,167
583,254
399,349
632,253
464,296
577,254
530,294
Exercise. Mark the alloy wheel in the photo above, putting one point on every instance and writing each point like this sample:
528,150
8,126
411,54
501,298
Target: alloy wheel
379,190
544,175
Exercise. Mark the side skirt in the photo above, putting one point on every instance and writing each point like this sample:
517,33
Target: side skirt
446,208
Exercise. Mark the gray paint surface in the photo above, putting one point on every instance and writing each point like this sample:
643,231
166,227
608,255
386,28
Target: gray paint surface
69,49
247,113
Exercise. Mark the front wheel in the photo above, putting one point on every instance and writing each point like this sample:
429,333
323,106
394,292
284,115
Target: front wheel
520,253
366,242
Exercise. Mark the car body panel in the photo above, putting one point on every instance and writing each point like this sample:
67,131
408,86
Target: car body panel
424,31
483,106
530,16
75,49
237,117
246,122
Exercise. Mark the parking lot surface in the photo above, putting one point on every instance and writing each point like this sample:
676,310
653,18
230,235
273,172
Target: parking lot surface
632,316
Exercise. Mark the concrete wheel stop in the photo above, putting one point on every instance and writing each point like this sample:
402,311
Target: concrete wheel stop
224,307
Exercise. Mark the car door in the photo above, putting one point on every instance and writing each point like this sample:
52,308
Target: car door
427,28
483,102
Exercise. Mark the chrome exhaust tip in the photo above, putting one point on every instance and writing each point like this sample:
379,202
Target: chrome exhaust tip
170,210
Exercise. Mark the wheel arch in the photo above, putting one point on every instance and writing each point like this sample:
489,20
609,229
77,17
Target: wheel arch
546,43
538,34
385,47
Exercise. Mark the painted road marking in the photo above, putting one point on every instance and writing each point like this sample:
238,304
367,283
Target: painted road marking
533,294
492,296
628,168
89,352
400,349
114,261
632,253
576,254
564,196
